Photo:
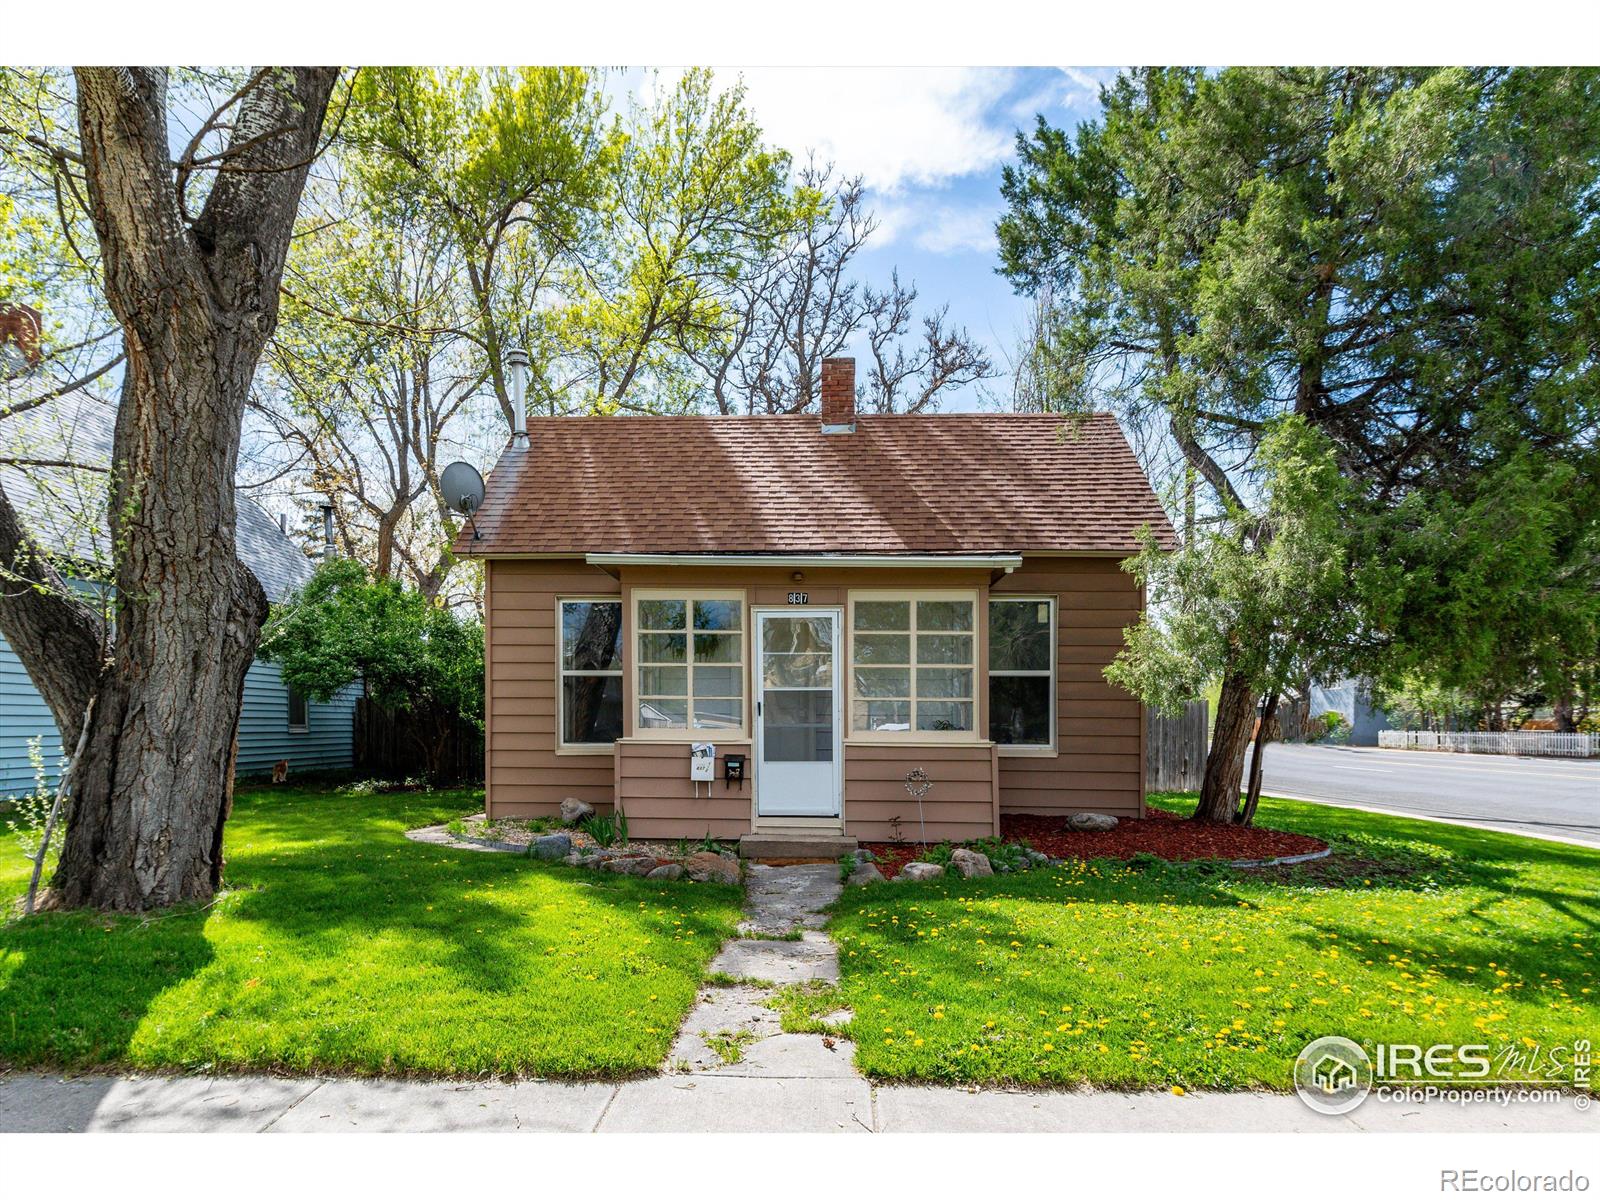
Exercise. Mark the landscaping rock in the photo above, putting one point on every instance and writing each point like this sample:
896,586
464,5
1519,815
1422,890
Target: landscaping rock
1088,822
865,873
1038,858
970,864
920,870
574,810
863,856
704,866
630,866
554,846
666,871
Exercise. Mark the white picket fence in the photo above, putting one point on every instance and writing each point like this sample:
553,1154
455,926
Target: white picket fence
1525,741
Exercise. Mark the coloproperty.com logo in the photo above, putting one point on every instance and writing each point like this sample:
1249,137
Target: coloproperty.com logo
1334,1075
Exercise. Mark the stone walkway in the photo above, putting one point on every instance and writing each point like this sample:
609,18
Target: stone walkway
780,1083
731,1033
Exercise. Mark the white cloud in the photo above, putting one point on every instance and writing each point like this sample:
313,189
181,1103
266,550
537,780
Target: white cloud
896,126
948,230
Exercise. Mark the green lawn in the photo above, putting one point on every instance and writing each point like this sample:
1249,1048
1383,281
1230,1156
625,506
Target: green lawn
1184,975
342,946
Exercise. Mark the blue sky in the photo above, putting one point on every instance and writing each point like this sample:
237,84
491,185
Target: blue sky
930,144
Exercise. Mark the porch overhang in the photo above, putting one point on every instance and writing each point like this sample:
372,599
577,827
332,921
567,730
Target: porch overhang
1003,563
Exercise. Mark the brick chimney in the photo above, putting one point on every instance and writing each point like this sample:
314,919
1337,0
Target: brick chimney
21,326
838,395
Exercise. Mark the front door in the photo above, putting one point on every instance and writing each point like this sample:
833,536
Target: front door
798,718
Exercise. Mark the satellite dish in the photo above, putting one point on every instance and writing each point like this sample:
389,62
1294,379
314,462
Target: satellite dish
462,487
463,490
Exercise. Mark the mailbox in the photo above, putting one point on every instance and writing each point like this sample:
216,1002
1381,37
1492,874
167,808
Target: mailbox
733,769
702,762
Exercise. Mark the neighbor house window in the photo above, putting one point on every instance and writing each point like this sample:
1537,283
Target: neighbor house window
299,712
913,662
1022,679
591,672
690,661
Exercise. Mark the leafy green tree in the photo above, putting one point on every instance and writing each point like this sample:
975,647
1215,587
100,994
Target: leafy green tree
411,655
513,165
1405,259
696,202
1268,596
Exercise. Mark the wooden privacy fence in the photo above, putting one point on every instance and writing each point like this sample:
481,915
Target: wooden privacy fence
1523,741
387,747
1175,748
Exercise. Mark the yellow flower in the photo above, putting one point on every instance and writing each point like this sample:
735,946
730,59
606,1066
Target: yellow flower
1178,1091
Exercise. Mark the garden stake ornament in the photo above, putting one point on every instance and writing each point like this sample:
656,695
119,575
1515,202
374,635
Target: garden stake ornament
917,784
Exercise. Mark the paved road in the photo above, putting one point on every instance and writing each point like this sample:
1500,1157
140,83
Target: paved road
1542,797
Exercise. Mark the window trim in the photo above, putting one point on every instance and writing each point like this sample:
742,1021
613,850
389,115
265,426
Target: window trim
562,745
289,693
902,737
1051,750
688,595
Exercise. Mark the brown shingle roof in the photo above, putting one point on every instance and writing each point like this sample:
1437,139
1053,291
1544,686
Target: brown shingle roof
942,483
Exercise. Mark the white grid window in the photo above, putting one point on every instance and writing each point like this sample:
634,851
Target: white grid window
690,661
913,663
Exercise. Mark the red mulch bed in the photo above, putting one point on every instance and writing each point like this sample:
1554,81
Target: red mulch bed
1173,838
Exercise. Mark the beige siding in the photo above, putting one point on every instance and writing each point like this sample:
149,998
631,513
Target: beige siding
525,776
655,791
1097,764
961,804
1100,729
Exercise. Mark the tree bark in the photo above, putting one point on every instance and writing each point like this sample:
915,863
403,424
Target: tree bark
1269,709
196,302
1230,737
1564,720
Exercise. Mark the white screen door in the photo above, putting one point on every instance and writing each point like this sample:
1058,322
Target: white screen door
797,714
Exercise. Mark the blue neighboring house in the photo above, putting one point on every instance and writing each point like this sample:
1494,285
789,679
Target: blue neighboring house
64,509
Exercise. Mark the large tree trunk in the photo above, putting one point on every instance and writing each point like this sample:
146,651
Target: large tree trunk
196,302
1230,737
1269,709
1564,721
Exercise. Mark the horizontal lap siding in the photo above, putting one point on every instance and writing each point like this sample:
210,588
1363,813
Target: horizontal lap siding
1100,761
654,790
959,806
326,744
524,775
23,716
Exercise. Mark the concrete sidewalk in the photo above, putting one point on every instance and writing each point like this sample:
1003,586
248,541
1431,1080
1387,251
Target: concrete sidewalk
700,1104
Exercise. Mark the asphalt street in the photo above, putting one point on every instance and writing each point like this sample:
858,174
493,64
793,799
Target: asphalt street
1542,797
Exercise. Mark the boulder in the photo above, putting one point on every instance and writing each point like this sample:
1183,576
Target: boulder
630,866
574,810
666,871
704,866
920,870
970,864
1037,857
863,855
1088,822
865,873
551,847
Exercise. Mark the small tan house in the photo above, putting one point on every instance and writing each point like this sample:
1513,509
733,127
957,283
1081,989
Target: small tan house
831,606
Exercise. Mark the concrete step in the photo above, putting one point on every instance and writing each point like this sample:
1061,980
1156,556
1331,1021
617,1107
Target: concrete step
792,847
